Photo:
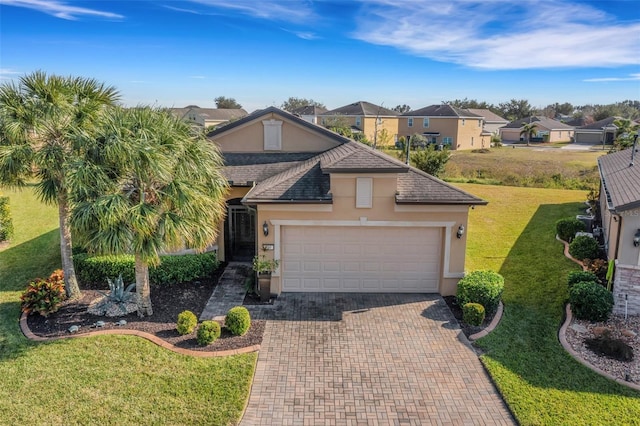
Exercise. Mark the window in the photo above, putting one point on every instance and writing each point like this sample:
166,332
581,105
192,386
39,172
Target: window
425,122
447,140
463,121
272,135
479,123
410,122
471,140
379,120
358,121
364,193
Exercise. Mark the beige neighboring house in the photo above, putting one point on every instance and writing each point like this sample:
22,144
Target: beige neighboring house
446,125
492,121
547,130
620,214
206,117
338,215
367,118
600,132
310,113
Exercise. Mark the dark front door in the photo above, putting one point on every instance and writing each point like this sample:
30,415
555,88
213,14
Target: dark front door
241,231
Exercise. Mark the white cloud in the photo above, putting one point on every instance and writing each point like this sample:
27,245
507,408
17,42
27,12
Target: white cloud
276,10
632,77
60,9
8,74
501,35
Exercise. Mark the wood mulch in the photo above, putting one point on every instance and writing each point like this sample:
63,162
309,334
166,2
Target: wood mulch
467,329
167,301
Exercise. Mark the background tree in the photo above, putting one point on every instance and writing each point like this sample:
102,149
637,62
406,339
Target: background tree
515,109
339,125
293,103
226,103
41,118
402,108
150,184
430,160
470,103
529,130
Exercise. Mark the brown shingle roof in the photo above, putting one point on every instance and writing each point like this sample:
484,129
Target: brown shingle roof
443,110
546,122
243,168
621,180
488,115
418,187
363,108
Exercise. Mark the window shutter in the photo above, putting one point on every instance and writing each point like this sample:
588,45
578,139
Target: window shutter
364,193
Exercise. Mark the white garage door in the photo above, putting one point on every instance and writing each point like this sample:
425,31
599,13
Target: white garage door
360,259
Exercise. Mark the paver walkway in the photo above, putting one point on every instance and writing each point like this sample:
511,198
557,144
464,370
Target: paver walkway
229,292
370,359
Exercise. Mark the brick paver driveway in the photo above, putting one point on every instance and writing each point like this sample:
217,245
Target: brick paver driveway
371,359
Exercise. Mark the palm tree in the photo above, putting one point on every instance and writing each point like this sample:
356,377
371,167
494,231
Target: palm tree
528,130
150,184
625,133
40,118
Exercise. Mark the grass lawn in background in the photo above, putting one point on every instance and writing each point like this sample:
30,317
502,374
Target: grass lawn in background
528,167
98,380
515,236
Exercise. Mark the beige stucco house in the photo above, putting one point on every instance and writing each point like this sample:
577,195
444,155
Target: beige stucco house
492,122
600,132
547,130
620,213
374,121
310,113
205,117
338,215
446,125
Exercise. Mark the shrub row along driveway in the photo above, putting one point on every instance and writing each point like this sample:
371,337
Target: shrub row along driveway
368,358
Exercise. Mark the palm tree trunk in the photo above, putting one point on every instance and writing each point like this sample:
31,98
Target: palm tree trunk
70,280
143,289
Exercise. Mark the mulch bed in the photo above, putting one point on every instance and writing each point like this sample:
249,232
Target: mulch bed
167,302
467,329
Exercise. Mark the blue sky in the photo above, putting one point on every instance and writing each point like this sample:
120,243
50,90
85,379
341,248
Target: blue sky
389,52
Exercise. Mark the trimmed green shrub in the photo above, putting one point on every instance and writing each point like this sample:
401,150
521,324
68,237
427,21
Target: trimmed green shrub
584,247
473,313
590,301
483,287
44,296
567,228
172,269
208,332
187,322
238,320
6,224
575,277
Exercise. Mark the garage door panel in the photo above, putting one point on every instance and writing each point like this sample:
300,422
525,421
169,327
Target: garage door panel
361,259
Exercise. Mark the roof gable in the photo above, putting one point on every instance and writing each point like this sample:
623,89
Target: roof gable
442,110
363,108
539,121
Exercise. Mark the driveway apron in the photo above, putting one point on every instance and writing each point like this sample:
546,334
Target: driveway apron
370,359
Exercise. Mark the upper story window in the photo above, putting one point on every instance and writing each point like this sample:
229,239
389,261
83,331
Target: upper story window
463,121
425,122
410,122
379,120
358,121
479,123
364,192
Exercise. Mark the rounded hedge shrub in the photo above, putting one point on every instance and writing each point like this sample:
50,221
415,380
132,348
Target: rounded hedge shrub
575,277
238,320
590,301
567,228
187,322
584,247
208,332
483,287
473,313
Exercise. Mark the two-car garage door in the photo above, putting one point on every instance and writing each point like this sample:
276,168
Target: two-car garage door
361,259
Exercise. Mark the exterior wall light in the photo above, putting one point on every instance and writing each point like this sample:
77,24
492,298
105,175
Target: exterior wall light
265,228
460,232
636,239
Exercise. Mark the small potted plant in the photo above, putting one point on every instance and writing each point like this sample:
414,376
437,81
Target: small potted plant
263,268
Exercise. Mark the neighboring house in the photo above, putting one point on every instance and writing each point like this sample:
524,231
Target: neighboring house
338,215
446,125
548,130
492,121
576,122
367,118
600,132
206,117
310,113
620,213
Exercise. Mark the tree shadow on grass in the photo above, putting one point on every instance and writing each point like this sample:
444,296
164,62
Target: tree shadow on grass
526,341
18,265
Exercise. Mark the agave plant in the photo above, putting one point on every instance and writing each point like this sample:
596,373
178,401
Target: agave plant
118,293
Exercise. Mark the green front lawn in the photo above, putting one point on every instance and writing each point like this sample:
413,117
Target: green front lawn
515,235
98,380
